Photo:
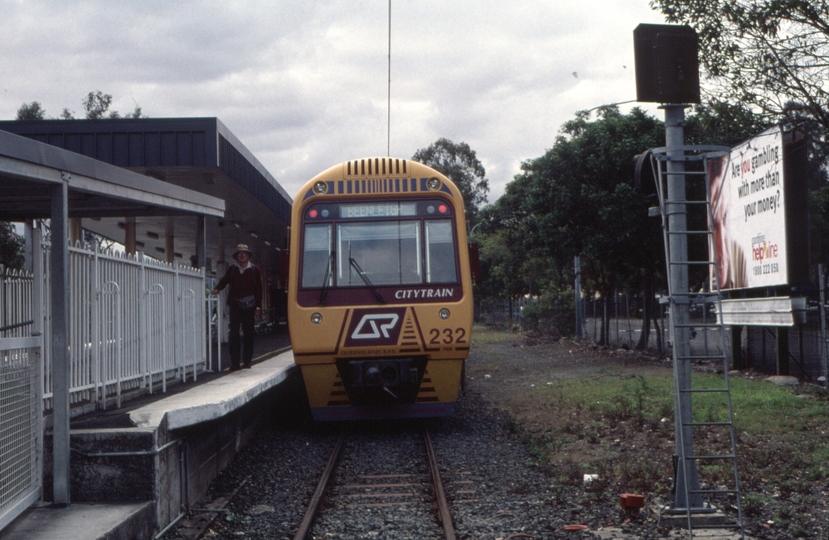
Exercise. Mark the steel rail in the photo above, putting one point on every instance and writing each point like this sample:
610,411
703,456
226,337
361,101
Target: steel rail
440,496
313,506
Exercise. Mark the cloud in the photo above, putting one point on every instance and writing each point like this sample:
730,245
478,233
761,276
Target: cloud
304,85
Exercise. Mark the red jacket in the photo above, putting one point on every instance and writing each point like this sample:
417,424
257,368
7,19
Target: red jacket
242,284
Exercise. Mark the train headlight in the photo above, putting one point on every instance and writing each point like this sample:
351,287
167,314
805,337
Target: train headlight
444,313
320,188
433,184
316,318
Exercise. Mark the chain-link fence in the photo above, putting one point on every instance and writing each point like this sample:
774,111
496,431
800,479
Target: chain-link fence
551,315
557,316
624,322
800,346
799,349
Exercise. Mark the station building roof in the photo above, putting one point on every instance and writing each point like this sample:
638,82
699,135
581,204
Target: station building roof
29,170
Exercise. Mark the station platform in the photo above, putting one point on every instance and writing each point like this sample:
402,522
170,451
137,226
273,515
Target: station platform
173,444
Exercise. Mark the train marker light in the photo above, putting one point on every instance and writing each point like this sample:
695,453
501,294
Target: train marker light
444,313
320,188
316,318
443,208
433,184
313,213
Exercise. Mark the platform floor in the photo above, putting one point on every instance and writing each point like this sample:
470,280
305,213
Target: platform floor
184,404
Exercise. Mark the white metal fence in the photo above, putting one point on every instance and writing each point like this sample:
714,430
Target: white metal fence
136,323
20,392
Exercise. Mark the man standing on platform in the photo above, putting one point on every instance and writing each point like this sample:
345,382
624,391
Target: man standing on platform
244,300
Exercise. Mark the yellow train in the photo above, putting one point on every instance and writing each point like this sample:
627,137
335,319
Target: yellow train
380,290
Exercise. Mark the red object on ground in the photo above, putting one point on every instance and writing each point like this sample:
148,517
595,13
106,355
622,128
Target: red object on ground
572,528
632,500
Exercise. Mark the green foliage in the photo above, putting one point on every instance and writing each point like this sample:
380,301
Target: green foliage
576,199
764,404
725,124
31,111
459,163
484,335
509,269
96,105
618,399
554,313
767,54
11,247
579,199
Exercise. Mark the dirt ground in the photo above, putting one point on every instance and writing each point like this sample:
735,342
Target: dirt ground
508,369
630,450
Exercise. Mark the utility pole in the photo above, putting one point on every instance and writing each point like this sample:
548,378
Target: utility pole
683,435
667,72
579,305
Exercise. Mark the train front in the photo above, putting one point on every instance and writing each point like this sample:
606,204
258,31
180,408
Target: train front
380,293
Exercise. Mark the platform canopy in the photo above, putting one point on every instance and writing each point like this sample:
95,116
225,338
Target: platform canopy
29,170
40,181
198,156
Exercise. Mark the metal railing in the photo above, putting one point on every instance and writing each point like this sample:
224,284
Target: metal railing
136,324
21,346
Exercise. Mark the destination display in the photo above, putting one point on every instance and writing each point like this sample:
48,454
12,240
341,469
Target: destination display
374,210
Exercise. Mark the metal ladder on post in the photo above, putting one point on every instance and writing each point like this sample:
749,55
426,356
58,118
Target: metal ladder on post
706,459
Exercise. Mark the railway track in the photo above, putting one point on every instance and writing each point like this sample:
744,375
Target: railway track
376,481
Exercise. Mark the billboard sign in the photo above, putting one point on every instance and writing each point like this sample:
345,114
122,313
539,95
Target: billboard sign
748,205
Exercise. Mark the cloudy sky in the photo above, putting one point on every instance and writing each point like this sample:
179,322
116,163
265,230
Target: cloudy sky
304,83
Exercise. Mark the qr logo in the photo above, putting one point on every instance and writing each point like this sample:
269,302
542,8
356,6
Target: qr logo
374,326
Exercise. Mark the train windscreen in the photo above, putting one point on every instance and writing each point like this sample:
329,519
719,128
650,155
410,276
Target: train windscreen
380,253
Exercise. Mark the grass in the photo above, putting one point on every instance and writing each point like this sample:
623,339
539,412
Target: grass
581,410
485,335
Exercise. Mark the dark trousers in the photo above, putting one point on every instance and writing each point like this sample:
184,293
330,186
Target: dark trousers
241,347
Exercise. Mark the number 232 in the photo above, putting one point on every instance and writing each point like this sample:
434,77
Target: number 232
447,336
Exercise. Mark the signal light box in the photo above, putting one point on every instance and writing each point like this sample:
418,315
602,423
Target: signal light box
667,67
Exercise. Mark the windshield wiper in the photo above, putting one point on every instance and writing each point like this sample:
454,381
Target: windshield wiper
367,281
324,292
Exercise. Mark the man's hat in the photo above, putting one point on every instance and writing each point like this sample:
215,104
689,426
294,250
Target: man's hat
240,248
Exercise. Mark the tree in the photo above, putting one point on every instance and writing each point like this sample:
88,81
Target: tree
721,123
459,163
11,247
578,199
96,105
769,54
31,111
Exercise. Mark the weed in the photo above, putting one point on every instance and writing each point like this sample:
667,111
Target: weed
573,428
619,410
753,504
640,392
233,517
511,426
605,417
570,472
